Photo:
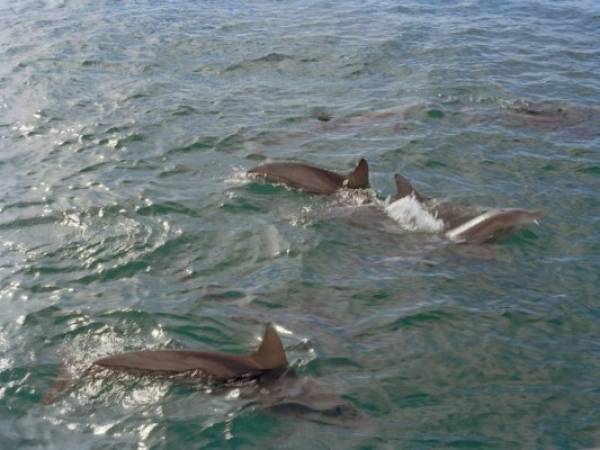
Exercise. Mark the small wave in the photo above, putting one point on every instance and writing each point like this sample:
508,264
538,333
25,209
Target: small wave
271,58
29,222
119,143
199,145
410,214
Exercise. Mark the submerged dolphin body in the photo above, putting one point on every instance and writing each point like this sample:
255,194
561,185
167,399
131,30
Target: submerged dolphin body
313,180
547,116
305,398
467,223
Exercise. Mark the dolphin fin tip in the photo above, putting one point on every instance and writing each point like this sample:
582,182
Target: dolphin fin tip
404,188
270,354
359,177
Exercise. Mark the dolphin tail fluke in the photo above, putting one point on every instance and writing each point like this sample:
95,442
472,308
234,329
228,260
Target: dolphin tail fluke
404,189
270,354
63,382
359,177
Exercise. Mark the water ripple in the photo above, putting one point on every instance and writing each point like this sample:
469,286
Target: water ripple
126,220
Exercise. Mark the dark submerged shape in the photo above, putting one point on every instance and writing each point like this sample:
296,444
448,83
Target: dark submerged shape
549,115
467,223
314,180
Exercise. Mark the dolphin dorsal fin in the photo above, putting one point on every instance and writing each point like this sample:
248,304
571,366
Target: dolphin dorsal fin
270,353
404,188
359,177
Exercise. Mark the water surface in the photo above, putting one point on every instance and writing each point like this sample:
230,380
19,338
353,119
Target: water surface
124,127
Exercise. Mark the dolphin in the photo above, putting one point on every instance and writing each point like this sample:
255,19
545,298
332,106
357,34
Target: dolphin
311,179
263,375
546,115
462,223
218,366
215,366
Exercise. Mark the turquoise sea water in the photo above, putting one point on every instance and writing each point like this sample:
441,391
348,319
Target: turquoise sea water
125,222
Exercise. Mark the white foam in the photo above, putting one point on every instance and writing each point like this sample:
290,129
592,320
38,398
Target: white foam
410,214
354,197
239,176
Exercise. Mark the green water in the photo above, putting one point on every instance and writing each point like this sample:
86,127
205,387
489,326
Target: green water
125,222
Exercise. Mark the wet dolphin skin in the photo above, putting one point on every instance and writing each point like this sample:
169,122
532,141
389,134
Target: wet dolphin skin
311,179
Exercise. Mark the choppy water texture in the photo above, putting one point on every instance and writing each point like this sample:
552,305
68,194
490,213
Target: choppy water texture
124,224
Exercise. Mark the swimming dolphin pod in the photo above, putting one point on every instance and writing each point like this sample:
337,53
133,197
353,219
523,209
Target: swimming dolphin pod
277,387
467,223
311,179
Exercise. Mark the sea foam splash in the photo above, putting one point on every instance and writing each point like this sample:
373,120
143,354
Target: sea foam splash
239,176
354,197
410,214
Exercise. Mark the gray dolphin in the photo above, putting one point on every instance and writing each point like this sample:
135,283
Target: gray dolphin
468,223
264,375
218,366
215,366
311,179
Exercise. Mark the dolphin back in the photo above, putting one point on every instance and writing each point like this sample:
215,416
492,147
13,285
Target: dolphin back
270,355
218,366
314,180
493,225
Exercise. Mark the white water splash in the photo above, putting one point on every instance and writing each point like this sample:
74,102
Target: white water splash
303,217
354,197
410,214
239,176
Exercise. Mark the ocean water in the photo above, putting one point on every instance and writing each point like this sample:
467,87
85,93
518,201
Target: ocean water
126,221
